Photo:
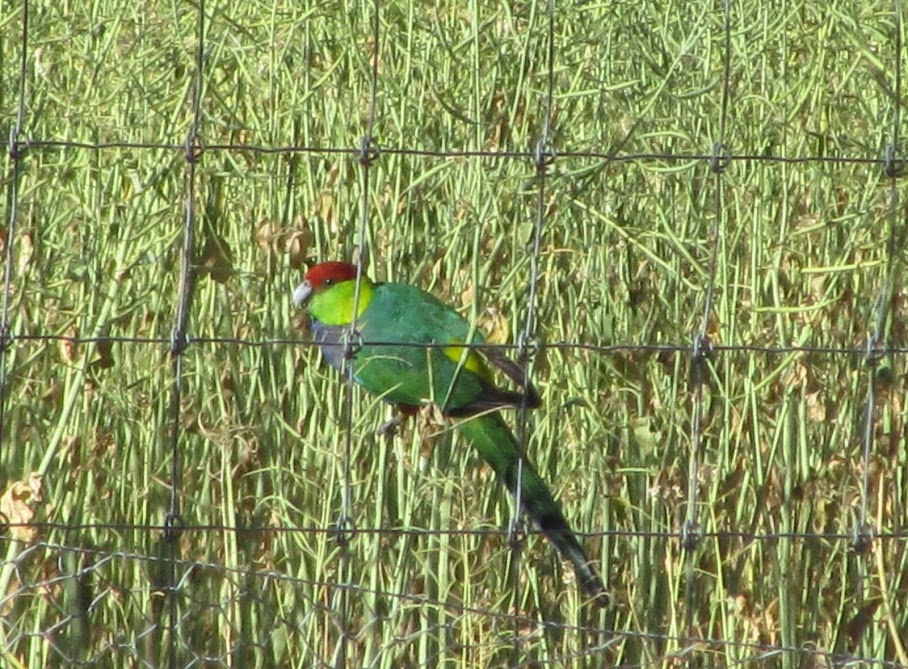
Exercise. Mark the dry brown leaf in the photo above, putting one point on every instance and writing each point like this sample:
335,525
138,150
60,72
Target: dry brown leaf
430,423
266,235
216,259
466,297
297,247
16,505
816,407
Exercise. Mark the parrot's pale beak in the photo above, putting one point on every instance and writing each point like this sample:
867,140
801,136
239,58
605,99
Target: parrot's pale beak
302,293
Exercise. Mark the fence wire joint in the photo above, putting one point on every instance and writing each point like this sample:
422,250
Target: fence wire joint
343,531
515,535
173,526
179,341
894,164
193,148
720,158
17,147
701,352
873,352
543,155
353,343
368,151
862,538
690,536
527,348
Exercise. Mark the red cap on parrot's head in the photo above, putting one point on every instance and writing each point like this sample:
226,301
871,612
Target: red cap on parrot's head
322,276
327,273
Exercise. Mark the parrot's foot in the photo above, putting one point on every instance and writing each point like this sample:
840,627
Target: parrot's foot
390,427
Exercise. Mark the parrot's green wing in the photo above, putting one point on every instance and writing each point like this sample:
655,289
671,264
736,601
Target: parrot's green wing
395,362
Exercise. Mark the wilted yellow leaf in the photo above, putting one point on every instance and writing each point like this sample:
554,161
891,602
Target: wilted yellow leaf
496,326
26,248
67,345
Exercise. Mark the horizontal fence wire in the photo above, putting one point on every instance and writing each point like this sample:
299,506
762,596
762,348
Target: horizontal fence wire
859,350
24,144
768,537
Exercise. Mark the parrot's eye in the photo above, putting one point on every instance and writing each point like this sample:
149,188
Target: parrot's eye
328,282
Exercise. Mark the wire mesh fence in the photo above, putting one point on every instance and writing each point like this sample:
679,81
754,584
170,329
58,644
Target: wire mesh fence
684,220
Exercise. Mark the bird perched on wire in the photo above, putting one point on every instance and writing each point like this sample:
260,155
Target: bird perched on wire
411,349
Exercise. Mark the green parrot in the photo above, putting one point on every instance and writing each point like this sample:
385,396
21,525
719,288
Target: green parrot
410,351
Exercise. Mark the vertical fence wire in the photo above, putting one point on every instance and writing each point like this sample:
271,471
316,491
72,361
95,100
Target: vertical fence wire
864,531
179,342
543,157
702,350
16,148
367,154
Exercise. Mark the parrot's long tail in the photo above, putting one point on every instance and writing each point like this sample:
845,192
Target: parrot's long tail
493,439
